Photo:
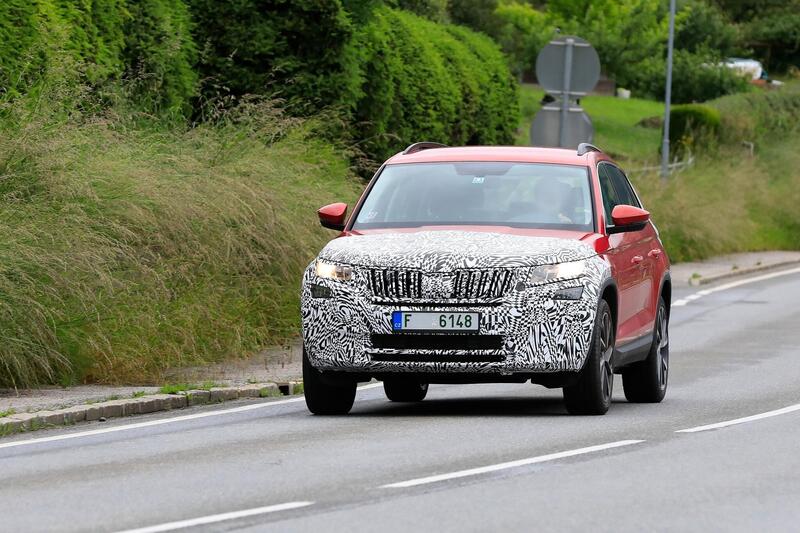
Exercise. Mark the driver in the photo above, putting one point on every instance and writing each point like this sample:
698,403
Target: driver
549,197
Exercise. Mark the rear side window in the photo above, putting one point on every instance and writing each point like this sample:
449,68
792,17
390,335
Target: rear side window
623,186
615,188
610,196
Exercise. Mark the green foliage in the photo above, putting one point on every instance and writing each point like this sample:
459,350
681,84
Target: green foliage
696,78
693,127
755,116
292,49
160,54
144,39
476,14
703,26
771,28
435,10
427,81
524,31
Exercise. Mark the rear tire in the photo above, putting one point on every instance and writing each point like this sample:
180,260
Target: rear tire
591,395
403,390
646,382
325,396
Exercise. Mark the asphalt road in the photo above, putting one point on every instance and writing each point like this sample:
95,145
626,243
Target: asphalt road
468,458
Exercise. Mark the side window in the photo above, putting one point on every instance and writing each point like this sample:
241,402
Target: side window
609,192
623,186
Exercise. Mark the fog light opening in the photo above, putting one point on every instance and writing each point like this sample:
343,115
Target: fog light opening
569,293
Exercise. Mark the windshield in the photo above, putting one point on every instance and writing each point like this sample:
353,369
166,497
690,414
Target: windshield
523,195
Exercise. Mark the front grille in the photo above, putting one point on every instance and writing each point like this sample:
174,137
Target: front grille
456,341
438,358
472,284
396,283
459,285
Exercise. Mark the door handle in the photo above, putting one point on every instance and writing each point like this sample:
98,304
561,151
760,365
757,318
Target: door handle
637,259
654,253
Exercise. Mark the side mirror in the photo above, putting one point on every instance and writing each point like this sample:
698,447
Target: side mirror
332,216
628,218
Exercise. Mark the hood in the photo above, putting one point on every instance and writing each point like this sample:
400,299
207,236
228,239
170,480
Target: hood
445,251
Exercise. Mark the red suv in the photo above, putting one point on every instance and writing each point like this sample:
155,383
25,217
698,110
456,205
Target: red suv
489,264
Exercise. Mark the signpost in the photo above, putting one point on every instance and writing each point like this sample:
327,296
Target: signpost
668,93
567,68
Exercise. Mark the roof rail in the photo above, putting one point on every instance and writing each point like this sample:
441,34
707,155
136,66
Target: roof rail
584,148
418,147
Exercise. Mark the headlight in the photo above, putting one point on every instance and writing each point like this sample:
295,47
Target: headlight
331,271
547,273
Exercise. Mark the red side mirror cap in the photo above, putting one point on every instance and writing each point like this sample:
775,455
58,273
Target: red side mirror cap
332,216
628,218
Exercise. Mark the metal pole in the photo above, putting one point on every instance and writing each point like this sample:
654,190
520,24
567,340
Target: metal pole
562,139
668,93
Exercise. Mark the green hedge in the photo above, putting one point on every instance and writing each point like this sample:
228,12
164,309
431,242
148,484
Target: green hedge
426,81
692,125
292,49
145,40
397,77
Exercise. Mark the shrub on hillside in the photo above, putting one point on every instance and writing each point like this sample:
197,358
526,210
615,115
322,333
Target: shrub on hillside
693,126
425,81
752,116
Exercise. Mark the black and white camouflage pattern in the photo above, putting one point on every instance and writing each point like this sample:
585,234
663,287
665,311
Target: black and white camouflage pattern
539,333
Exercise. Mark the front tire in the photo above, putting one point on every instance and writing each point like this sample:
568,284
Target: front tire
646,382
324,396
403,390
591,395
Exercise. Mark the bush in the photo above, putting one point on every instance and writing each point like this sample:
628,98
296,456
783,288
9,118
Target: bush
144,39
294,49
693,126
425,81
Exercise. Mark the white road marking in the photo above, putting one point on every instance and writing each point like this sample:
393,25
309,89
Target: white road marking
732,285
213,519
753,418
162,421
510,464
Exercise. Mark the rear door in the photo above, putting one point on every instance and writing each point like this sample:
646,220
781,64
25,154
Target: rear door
629,255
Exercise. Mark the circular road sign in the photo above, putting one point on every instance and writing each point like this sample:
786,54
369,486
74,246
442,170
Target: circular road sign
584,66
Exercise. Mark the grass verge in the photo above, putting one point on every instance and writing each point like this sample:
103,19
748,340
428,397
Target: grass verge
129,247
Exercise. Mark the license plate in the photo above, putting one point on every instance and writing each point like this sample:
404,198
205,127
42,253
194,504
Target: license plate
427,321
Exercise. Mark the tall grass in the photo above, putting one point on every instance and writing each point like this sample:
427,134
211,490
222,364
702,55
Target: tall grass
128,246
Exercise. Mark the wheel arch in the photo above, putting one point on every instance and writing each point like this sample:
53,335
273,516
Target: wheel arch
666,291
609,293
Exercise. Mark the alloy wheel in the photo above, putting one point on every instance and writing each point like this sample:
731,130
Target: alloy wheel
662,341
607,349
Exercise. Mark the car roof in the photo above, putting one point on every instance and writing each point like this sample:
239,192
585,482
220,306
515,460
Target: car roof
513,154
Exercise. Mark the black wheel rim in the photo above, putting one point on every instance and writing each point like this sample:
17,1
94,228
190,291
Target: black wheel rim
662,341
606,350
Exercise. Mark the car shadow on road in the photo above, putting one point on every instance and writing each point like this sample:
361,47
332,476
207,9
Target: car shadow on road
478,406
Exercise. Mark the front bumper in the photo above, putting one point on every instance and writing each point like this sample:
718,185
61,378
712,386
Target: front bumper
524,331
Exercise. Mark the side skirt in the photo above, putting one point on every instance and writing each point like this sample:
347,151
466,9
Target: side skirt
632,352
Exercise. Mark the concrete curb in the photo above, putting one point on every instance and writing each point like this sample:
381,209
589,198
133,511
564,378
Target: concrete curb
21,422
705,280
